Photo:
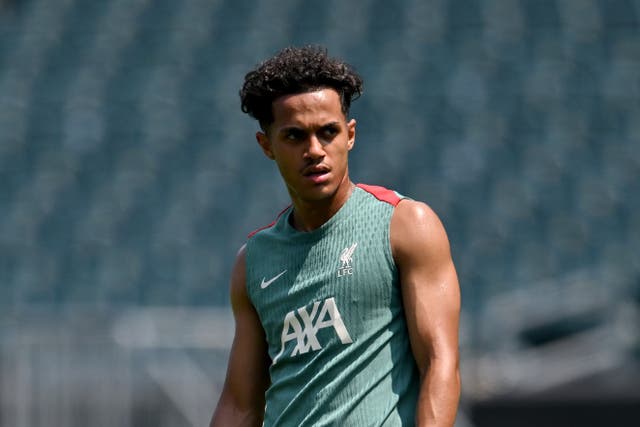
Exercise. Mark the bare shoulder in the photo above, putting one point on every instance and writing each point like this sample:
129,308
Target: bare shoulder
416,227
238,289
414,212
240,256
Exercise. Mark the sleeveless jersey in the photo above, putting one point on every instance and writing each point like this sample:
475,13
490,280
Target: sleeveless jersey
330,304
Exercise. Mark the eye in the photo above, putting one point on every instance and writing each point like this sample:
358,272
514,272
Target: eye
329,132
294,135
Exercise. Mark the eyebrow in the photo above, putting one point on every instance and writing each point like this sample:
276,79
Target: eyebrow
303,129
331,124
289,129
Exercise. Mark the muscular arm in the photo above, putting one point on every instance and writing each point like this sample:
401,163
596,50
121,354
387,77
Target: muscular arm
431,297
242,400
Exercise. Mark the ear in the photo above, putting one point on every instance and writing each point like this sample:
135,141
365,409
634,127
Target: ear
265,144
351,132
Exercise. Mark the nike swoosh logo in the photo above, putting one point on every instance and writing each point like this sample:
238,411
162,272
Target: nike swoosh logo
266,283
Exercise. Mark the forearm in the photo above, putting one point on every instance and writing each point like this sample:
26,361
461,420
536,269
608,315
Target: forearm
228,414
439,396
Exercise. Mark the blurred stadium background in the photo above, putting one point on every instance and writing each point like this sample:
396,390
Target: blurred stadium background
129,178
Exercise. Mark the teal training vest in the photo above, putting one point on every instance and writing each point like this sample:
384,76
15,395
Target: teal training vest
330,304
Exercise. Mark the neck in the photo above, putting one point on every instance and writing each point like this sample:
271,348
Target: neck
308,216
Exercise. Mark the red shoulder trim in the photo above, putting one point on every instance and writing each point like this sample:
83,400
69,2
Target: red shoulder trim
381,193
253,233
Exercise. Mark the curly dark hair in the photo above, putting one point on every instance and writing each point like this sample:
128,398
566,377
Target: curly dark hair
297,70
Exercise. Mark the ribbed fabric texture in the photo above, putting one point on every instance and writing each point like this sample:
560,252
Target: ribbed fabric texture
331,307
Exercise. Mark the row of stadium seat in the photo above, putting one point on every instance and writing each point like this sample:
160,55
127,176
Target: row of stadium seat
129,175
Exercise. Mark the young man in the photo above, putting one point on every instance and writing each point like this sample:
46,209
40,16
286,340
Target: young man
347,306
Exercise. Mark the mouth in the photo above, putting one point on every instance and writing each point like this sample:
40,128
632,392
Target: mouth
317,174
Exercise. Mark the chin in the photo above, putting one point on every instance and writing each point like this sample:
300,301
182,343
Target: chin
317,193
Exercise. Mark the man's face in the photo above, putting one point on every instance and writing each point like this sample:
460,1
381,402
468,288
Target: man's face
309,140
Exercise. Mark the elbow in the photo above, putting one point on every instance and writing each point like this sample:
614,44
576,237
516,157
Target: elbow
445,369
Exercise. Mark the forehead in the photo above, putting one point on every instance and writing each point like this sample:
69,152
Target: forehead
319,105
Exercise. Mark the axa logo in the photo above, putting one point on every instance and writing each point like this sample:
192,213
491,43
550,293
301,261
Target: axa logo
346,259
302,327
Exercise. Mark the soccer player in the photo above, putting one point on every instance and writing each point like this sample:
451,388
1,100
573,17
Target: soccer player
346,306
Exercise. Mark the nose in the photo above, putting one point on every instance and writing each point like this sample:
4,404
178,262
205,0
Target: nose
315,149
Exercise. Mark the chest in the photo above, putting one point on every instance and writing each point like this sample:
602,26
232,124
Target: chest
328,289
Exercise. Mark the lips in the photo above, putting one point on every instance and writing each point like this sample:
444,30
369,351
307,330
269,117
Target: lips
315,170
318,173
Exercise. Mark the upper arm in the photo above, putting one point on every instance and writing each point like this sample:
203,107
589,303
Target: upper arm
429,283
248,369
